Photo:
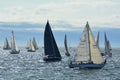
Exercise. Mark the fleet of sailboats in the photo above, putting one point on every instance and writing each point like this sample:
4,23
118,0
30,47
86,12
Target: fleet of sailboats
6,45
66,47
50,47
88,55
14,47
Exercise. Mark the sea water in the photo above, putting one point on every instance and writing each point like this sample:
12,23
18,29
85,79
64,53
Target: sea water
30,66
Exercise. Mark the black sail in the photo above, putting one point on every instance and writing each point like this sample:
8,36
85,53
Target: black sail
50,46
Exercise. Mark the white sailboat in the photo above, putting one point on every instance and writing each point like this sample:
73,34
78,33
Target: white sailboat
88,55
31,47
14,48
108,47
6,45
35,43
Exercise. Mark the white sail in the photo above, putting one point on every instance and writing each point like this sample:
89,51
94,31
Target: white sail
88,50
96,56
35,43
83,48
31,46
13,43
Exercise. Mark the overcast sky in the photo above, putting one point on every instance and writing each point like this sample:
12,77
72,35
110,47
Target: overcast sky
74,12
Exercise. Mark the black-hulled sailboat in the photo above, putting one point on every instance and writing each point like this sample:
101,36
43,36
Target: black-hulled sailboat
14,48
88,55
31,47
6,45
35,43
66,47
107,47
50,47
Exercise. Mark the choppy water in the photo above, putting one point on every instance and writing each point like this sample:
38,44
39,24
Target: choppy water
30,66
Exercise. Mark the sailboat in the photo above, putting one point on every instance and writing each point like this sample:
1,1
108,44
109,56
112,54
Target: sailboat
66,48
31,47
107,47
14,48
88,55
50,47
6,45
35,43
97,39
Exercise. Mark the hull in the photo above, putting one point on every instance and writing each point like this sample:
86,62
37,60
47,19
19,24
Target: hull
6,48
15,52
103,54
31,50
86,65
51,59
67,54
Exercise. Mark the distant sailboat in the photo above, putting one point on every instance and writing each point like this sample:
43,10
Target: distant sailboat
6,45
35,43
97,39
14,48
66,48
50,47
31,47
107,47
88,55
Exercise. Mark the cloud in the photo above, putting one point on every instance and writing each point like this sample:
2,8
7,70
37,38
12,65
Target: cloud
73,12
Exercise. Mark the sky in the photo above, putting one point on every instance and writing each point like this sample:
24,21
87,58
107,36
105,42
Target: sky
28,18
99,13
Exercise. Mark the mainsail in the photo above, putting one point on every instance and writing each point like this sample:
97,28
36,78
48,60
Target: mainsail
6,44
50,46
66,48
88,50
14,47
